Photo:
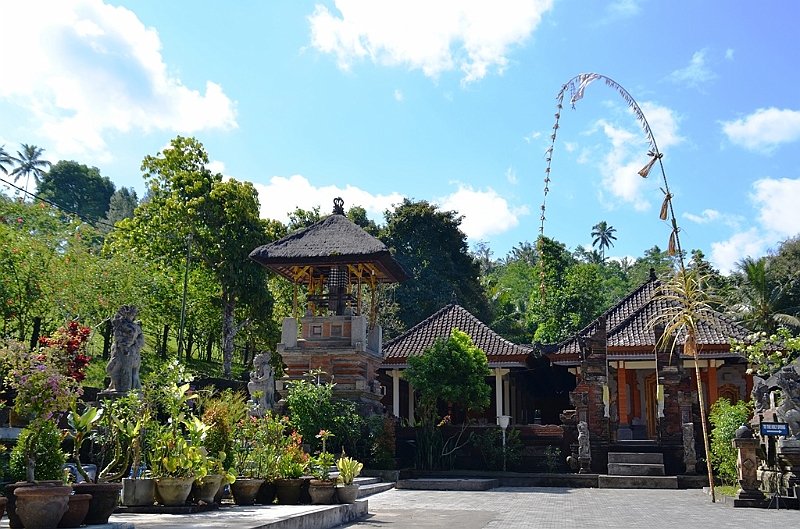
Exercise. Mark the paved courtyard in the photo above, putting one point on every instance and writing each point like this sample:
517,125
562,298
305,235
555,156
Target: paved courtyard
508,508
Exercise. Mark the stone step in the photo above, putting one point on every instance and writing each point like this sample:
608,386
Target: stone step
373,488
366,481
637,482
447,484
636,457
635,469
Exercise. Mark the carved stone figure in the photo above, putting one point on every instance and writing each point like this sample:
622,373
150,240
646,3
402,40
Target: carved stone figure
126,351
262,385
689,451
760,395
789,408
584,449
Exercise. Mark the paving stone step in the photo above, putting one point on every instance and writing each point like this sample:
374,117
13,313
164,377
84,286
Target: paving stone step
447,484
637,482
635,469
366,481
636,457
373,488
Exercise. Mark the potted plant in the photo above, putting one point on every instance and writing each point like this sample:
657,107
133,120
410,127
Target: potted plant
321,488
292,464
246,461
176,463
349,469
45,391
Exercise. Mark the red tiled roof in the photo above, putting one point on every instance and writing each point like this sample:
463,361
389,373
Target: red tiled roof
627,326
439,325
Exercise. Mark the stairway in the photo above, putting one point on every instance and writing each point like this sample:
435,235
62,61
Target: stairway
632,470
370,486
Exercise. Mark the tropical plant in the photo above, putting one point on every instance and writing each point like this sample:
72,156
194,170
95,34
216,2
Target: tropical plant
48,459
292,460
29,162
80,426
726,418
490,445
603,237
5,159
761,302
349,469
320,466
767,355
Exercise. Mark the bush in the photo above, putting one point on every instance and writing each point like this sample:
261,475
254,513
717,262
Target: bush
49,457
726,418
490,445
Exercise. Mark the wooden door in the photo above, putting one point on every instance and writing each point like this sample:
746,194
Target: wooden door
651,405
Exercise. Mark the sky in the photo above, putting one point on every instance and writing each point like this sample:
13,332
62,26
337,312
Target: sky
449,102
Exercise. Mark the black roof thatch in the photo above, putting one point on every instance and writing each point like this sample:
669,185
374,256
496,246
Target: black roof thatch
332,241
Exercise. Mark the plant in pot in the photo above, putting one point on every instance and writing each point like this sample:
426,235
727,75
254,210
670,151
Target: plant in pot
292,465
44,393
321,488
349,469
221,412
246,456
270,439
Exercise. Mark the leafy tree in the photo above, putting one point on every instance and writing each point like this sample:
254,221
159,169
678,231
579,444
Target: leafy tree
5,159
301,218
603,237
762,299
431,245
358,215
220,218
121,206
77,188
29,162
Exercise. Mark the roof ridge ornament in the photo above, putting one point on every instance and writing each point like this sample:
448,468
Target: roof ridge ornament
453,298
338,206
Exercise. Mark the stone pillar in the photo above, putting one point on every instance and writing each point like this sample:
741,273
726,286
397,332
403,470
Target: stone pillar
624,432
749,494
689,452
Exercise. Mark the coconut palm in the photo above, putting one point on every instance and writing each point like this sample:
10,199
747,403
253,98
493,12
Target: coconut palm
603,236
5,159
762,300
29,162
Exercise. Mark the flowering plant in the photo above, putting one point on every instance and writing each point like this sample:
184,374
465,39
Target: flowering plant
44,391
67,346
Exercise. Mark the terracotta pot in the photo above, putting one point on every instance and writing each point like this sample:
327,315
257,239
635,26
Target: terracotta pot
288,490
41,507
174,491
266,493
105,498
206,489
347,493
13,520
244,490
77,509
137,492
321,491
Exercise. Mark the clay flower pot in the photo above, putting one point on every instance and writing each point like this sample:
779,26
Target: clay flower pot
77,509
321,492
204,490
288,490
266,493
347,493
137,492
41,507
13,520
174,491
244,490
105,498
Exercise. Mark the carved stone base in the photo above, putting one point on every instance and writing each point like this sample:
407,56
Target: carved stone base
750,498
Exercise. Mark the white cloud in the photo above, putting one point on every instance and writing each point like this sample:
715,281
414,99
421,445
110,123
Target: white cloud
485,212
621,163
535,135
729,54
434,37
707,216
216,166
570,146
777,200
88,69
726,254
765,129
282,195
511,176
695,73
398,95
624,8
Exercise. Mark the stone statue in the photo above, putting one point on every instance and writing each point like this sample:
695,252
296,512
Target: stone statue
584,450
262,385
689,451
789,408
126,351
760,395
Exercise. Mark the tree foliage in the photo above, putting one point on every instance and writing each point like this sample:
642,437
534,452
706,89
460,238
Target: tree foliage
77,188
726,418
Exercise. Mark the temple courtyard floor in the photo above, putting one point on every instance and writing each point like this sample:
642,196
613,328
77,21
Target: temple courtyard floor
504,507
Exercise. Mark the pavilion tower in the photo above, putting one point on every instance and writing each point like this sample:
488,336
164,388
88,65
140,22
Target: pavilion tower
334,264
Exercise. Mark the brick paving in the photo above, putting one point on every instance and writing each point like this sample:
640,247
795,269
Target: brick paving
533,507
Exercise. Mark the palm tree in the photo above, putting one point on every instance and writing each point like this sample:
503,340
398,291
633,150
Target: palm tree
29,163
603,236
5,159
762,298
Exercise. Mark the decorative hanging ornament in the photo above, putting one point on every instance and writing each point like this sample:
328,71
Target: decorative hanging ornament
645,171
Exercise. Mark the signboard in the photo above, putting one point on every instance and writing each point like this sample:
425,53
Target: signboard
774,428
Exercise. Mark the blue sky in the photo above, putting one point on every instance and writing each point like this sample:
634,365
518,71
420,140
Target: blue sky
451,102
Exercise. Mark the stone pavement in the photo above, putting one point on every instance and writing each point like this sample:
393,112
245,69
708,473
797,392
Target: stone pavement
523,507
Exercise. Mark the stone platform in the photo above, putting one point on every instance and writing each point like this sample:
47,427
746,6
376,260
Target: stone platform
450,484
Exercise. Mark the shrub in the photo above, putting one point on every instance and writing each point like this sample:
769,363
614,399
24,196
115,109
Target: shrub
49,457
490,445
726,418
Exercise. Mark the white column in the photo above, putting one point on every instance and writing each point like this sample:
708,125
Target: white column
396,392
498,391
506,395
410,404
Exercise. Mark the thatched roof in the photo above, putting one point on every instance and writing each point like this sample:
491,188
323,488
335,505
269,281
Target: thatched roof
332,241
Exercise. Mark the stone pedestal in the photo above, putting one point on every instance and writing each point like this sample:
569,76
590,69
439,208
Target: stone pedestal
689,452
749,494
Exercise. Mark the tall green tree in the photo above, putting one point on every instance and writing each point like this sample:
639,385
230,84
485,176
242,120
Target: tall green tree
190,203
29,162
6,160
430,244
121,206
77,188
603,237
761,299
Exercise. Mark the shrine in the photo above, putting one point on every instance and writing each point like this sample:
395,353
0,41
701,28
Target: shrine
334,265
